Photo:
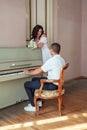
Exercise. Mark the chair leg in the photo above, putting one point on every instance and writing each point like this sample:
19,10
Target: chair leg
36,105
60,104
62,107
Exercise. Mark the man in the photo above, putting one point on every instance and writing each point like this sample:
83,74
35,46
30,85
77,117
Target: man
52,67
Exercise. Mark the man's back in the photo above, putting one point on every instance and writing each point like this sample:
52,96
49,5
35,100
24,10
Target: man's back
53,67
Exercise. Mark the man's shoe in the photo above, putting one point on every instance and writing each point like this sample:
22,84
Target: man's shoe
29,104
29,108
39,103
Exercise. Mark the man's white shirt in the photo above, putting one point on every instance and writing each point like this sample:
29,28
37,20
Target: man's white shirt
53,67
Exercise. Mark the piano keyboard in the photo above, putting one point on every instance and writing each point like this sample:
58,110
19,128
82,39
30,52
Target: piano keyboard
11,75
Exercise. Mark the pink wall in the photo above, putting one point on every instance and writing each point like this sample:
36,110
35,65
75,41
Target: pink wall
70,16
68,28
12,23
84,38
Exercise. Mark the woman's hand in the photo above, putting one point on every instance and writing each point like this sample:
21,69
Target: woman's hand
40,45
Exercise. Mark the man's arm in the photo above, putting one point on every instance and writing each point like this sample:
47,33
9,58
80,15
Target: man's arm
33,72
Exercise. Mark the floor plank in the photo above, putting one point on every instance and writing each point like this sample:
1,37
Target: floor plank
74,113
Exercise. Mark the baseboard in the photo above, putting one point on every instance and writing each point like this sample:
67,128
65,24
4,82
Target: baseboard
76,78
80,77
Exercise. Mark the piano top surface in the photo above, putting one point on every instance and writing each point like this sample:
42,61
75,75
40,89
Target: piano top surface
14,60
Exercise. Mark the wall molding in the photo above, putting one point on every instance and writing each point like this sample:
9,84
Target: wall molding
39,12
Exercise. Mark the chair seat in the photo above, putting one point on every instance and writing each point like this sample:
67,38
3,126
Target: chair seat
49,93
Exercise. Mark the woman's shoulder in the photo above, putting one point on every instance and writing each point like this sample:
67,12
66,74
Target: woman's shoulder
43,39
43,35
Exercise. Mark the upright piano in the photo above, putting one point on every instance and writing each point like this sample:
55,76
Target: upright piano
12,77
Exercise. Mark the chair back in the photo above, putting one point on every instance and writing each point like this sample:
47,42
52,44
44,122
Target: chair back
62,77
63,70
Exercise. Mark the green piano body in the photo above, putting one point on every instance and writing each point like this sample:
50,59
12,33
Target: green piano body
12,77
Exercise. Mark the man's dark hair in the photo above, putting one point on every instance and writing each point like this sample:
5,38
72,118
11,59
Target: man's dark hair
56,47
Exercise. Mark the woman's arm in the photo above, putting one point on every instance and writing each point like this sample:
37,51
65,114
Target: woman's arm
42,41
40,44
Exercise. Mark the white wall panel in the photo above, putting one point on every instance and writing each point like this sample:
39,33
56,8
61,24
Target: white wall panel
41,12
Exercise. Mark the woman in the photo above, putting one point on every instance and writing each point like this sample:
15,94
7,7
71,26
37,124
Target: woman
40,39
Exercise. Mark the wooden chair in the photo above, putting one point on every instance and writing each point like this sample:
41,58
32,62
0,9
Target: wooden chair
47,94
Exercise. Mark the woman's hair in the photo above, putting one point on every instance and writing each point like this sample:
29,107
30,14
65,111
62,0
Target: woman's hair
35,31
56,47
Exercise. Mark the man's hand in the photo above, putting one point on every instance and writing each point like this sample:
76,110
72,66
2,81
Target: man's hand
26,71
33,72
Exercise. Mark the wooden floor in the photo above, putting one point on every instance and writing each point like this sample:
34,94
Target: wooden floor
74,114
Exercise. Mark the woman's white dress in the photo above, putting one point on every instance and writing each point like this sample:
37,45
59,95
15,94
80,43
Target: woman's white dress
45,50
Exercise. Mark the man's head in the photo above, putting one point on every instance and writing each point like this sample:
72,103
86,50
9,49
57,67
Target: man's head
55,48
